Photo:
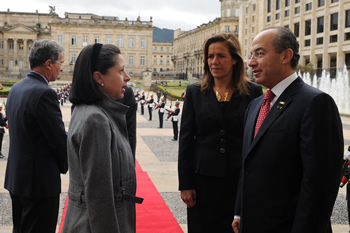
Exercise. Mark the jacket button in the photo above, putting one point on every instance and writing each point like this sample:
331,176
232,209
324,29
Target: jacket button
222,150
222,132
222,141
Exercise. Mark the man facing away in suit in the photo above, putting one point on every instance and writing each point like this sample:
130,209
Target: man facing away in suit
38,143
291,165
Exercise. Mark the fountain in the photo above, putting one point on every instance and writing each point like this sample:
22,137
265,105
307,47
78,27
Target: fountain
337,87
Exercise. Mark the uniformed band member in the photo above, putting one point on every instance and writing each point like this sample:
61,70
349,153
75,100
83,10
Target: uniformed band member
137,98
2,130
175,118
149,103
142,101
161,106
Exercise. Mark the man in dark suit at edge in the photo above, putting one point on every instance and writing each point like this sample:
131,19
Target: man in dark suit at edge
38,143
291,165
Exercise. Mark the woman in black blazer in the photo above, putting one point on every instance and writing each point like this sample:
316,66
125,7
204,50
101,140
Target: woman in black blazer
211,136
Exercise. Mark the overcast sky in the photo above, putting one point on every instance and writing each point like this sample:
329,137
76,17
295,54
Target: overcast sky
171,14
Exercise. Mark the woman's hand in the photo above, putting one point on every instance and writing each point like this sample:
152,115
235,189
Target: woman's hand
189,197
236,225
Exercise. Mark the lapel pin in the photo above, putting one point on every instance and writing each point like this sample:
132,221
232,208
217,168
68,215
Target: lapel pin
280,105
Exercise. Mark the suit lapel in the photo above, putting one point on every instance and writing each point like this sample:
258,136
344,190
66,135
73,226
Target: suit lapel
213,105
275,112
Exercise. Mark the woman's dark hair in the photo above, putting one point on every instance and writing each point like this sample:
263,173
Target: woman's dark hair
239,79
84,88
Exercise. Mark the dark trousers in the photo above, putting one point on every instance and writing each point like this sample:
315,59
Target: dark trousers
214,209
150,113
175,129
1,137
142,109
161,114
34,215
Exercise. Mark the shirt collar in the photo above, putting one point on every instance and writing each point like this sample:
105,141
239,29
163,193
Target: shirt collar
281,86
42,76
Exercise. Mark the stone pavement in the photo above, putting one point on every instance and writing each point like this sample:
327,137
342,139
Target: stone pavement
157,155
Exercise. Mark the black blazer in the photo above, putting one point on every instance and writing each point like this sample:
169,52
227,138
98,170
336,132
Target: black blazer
207,145
292,169
38,140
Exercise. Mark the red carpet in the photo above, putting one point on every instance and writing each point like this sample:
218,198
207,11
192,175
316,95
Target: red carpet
153,215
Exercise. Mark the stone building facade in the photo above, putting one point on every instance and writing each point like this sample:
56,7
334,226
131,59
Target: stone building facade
161,58
322,28
188,46
18,31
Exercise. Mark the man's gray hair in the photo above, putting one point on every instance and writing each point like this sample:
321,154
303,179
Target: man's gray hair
42,50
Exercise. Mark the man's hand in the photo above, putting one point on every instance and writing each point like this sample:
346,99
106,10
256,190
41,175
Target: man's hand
189,197
236,225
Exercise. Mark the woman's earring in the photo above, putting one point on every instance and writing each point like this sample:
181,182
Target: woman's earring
102,84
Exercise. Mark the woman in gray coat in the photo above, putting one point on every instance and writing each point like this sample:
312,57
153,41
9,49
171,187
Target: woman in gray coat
101,165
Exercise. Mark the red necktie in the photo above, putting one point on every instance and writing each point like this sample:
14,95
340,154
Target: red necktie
264,110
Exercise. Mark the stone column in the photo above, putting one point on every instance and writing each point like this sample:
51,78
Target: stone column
147,79
190,76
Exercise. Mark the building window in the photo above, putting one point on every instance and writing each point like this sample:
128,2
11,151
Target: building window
347,36
268,19
131,42
1,45
161,48
319,40
320,3
227,28
60,39
277,16
154,62
167,63
307,27
237,12
320,24
307,43
11,45
155,49
333,1
286,13
97,39
287,3
297,1
308,6
131,60
1,62
20,45
73,59
254,7
108,40
167,49
120,42
143,42
85,40
74,40
297,10
278,4
296,29
161,62
347,18
334,21
333,38
228,12
143,60
268,6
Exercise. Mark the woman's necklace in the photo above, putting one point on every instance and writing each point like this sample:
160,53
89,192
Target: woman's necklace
221,97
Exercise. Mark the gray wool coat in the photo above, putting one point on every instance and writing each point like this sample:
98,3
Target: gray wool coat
101,171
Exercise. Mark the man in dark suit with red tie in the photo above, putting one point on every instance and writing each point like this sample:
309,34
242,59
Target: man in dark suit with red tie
38,143
291,164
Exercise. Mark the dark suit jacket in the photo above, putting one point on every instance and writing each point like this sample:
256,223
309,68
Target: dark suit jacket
209,146
291,171
129,100
38,140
